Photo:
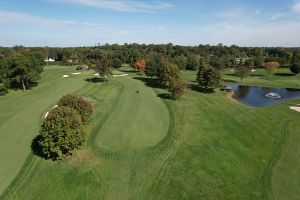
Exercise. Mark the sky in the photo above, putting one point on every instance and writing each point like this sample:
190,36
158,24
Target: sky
64,23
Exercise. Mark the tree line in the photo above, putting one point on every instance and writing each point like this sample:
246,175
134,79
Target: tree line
20,66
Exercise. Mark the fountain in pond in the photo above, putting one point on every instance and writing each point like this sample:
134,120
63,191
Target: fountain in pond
273,95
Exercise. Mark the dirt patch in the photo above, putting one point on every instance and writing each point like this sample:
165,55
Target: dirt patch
83,159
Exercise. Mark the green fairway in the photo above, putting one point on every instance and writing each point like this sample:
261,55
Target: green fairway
140,146
138,120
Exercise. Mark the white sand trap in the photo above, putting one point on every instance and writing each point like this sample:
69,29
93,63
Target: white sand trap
295,108
232,70
256,77
253,70
76,73
66,76
120,75
96,74
46,115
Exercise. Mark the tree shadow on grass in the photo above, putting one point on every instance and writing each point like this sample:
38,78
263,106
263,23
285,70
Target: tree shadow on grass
199,89
284,74
150,82
165,96
36,148
229,81
95,80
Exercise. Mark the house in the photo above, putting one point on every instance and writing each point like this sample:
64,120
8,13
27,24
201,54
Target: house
49,60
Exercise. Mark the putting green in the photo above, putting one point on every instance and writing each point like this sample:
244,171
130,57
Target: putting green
139,119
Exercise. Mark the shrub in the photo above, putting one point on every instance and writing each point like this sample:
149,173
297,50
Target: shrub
295,68
81,105
61,133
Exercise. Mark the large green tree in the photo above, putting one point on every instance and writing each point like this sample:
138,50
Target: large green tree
208,78
167,71
61,133
104,68
295,68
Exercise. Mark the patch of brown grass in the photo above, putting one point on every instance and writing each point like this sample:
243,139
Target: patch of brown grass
83,159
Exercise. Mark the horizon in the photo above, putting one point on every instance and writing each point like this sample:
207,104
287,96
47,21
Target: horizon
84,23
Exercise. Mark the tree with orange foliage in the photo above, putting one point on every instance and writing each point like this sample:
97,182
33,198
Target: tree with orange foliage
271,66
139,65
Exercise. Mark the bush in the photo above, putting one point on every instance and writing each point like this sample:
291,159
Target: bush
61,133
83,106
295,68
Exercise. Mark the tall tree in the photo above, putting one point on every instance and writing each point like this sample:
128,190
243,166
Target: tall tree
208,78
103,68
167,71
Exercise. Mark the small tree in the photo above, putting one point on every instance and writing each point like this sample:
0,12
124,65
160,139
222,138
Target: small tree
103,67
139,65
243,72
295,68
81,105
61,133
271,66
177,88
208,78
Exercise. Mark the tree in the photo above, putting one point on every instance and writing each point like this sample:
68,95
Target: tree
208,78
243,72
295,68
259,60
193,62
139,65
103,68
167,72
181,62
80,104
177,88
116,63
271,66
296,56
152,65
61,133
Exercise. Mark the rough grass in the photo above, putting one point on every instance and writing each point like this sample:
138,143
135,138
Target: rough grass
214,148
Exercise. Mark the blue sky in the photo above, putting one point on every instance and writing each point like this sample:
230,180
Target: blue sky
184,22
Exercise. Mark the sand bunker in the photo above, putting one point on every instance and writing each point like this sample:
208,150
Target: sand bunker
120,75
296,108
66,76
47,113
76,73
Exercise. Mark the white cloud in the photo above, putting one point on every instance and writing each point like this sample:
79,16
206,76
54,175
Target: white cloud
296,7
122,5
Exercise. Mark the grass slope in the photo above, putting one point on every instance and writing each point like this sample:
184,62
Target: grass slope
215,148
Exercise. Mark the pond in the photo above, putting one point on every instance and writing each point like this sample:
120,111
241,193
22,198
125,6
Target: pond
263,96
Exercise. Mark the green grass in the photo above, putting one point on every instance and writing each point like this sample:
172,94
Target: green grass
282,77
205,146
